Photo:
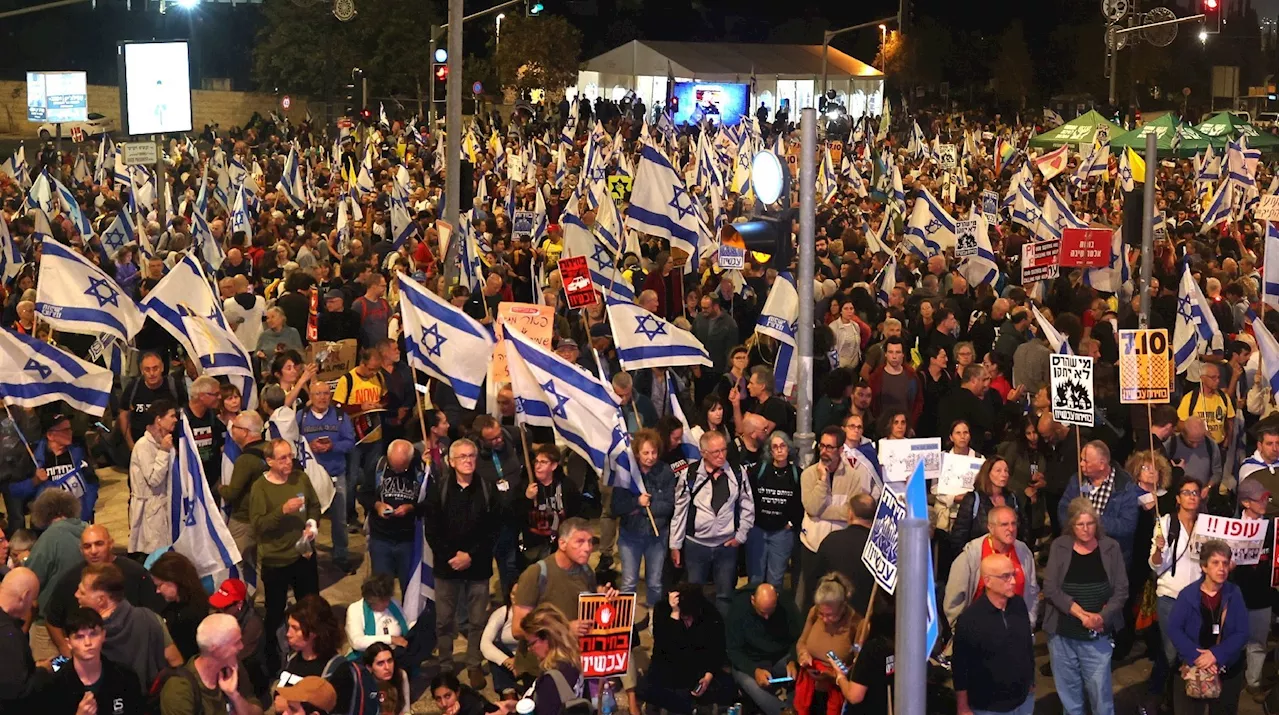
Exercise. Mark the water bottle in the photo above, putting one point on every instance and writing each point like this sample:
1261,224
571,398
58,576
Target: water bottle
608,704
305,545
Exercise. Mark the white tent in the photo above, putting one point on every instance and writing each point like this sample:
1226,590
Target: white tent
778,72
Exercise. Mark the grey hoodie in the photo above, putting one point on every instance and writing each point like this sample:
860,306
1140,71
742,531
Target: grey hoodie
136,638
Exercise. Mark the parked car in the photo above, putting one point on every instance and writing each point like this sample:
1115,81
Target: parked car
96,124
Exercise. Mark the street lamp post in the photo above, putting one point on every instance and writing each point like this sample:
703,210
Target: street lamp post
497,32
828,35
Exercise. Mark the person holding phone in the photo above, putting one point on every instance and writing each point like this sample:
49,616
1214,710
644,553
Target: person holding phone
765,628
332,437
689,662
867,684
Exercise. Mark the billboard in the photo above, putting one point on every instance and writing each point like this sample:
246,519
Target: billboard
57,97
721,102
156,91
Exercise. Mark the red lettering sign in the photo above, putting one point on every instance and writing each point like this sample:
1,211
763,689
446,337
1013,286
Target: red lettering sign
1085,248
578,288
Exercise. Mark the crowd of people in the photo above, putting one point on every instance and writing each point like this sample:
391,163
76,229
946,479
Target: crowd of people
754,588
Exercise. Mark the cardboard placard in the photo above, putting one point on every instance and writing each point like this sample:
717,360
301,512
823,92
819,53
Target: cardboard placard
620,187
579,291
1085,248
967,238
1246,537
1144,367
536,322
606,648
1268,208
1040,260
522,223
732,254
880,555
898,458
332,360
1071,389
990,206
948,157
958,473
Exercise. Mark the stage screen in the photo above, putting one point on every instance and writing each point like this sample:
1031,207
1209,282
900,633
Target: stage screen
721,102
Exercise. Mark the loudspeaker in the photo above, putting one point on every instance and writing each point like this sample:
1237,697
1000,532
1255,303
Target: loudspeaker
1131,228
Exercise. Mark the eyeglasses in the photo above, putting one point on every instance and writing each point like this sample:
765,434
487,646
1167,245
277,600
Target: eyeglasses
465,457
1189,493
1006,576
825,445
714,452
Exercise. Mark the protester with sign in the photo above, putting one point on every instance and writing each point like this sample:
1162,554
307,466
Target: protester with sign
993,668
690,660
1255,582
990,490
1173,561
1209,627
1153,474
1085,589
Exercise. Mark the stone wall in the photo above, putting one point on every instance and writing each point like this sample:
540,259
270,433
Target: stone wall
227,109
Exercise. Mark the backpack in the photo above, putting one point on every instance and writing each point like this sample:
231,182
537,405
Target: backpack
542,577
570,702
152,700
693,494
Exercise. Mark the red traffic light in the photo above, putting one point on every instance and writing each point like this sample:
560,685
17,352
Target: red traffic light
367,114
442,72
1211,4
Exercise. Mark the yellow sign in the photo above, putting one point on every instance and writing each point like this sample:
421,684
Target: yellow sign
535,322
620,187
1145,375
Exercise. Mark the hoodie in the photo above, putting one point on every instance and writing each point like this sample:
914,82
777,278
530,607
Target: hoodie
135,638
335,425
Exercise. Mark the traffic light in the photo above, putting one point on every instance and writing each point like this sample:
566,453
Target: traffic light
440,76
533,8
1212,10
349,108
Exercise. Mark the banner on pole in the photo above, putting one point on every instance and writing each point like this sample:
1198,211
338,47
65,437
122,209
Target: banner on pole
966,238
880,555
1144,367
1040,260
1071,380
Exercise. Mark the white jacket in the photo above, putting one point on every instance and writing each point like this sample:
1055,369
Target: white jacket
826,498
149,496
248,331
1176,551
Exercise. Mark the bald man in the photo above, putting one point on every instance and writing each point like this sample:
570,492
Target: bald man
97,547
392,508
20,678
748,447
765,629
965,583
993,668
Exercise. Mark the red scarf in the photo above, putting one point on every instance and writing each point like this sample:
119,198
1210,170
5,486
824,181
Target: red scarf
1019,577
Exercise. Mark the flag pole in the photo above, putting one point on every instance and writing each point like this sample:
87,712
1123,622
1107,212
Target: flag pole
1152,457
1079,456
23,437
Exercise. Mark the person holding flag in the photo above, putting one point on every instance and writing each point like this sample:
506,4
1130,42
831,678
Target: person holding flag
644,524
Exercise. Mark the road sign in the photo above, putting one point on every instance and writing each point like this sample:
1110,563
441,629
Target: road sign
1071,380
140,153
967,238
578,288
77,134
1085,248
1040,260
1144,367
477,88
286,102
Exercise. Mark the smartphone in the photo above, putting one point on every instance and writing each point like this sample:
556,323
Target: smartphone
58,662
698,691
782,680
839,663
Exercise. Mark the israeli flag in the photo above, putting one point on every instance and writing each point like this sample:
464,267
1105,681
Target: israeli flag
1208,168
580,241
828,186
422,582
1057,341
931,224
120,173
472,264
284,425
41,194
444,342
887,280
1112,278
80,170
209,248
290,185
610,226
1195,328
1219,209
539,219
20,166
741,179
202,196
240,220
1270,267
1019,186
1093,166
778,320
916,500
1268,352
11,260
119,234
35,373
850,172
878,240
550,392
402,224
343,226
1127,182
645,340
980,268
897,196
75,296
198,529
661,205
689,445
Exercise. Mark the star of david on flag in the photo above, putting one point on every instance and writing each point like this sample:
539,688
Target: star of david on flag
645,340
444,342
77,297
35,373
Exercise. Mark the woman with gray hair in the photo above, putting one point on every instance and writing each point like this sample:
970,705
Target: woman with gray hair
277,333
1085,588
775,486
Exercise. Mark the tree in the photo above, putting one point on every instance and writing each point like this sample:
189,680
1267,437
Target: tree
1012,70
538,53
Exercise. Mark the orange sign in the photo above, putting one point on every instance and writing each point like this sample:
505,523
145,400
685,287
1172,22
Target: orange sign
536,322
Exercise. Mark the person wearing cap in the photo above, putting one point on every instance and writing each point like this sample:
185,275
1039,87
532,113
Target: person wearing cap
60,462
602,350
231,598
1254,581
335,322
212,683
312,695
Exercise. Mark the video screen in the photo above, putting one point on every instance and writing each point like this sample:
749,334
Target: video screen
157,87
57,97
718,102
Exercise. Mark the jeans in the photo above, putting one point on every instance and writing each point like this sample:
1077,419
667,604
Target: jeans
452,594
767,555
634,546
393,557
1079,668
360,463
1255,651
1164,607
506,552
337,514
680,701
766,700
713,564
304,577
1027,707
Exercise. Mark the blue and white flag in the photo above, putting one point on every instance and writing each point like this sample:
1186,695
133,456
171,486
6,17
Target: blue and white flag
916,499
444,342
240,220
283,424
887,280
1127,181
661,205
198,530
1268,352
540,224
35,373
1019,186
80,170
119,234
422,582
931,225
1057,341
828,185
778,320
878,239
1194,328
980,268
290,183
551,392
472,265
1094,165
20,166
402,224
1112,278
1208,166
581,241
106,156
11,260
690,449
645,340
42,195
75,296
205,242
1270,266
1219,209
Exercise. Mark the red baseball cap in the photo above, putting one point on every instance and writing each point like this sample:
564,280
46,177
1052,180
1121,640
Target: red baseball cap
231,591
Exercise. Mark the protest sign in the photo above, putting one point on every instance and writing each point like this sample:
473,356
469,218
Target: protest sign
966,238
958,473
535,322
1085,248
332,360
1246,537
1144,367
522,223
579,290
606,648
990,206
1071,380
1040,260
898,458
880,555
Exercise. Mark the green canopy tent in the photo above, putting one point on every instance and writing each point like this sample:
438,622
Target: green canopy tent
1081,130
1188,143
1224,126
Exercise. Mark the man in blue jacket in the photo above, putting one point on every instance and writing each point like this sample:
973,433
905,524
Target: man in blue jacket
331,436
1113,493
61,463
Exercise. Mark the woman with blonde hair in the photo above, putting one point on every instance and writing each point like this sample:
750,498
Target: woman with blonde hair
547,633
1153,473
829,627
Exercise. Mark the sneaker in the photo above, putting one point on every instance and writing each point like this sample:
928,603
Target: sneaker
475,674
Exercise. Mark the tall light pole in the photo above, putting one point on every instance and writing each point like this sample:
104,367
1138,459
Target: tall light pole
828,35
497,31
